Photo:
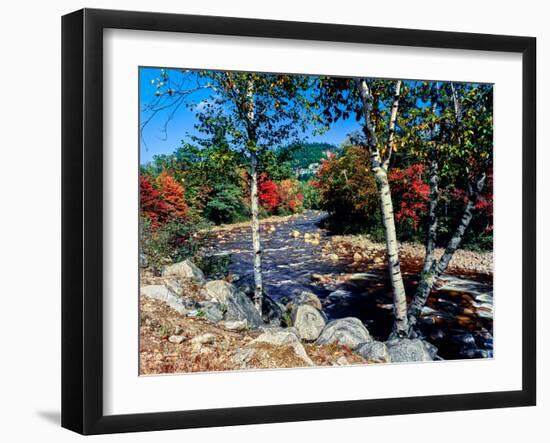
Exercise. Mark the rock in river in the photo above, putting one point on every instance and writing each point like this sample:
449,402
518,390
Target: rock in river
308,321
348,331
186,269
308,298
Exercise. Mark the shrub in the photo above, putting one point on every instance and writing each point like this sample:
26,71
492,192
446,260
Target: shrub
268,194
171,242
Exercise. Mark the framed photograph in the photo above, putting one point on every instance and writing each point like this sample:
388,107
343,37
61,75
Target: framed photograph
268,221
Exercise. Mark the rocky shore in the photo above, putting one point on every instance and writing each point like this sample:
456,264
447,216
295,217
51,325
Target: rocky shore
189,324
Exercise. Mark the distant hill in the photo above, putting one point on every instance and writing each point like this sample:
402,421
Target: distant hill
304,158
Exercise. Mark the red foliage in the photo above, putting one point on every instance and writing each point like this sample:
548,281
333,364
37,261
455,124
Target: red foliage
410,192
268,194
152,206
291,198
173,195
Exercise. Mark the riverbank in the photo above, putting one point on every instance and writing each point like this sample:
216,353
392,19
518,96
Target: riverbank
359,249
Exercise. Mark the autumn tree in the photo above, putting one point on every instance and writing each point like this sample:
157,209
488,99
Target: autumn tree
173,195
260,111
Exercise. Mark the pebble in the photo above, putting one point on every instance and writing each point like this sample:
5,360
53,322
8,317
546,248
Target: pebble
176,339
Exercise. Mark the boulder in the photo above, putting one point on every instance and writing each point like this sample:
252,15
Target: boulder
186,269
308,298
272,311
339,295
212,311
162,293
283,337
219,291
143,262
409,350
240,307
308,321
374,351
348,331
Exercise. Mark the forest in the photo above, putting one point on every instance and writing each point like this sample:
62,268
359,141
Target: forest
264,245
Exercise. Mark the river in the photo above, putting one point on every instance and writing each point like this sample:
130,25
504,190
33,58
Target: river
457,319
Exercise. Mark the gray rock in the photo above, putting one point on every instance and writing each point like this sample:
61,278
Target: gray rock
272,311
348,331
308,321
238,325
308,298
409,350
186,269
213,311
374,351
240,307
162,293
143,262
339,295
236,304
219,291
283,337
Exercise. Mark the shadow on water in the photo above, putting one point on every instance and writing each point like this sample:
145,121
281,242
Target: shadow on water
457,317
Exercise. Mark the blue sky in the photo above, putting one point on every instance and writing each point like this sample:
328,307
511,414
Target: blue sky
156,141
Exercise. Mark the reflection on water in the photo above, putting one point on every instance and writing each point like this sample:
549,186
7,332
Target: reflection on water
458,317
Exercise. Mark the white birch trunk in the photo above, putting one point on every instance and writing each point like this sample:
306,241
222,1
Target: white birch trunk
256,244
254,207
384,193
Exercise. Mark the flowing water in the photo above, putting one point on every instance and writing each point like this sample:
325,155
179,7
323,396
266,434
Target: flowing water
457,319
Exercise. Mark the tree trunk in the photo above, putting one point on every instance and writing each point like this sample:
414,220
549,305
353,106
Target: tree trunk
256,247
255,225
384,193
432,217
429,279
399,296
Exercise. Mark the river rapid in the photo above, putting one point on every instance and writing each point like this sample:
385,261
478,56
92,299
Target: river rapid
457,319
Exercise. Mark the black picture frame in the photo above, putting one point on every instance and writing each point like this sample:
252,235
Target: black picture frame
82,218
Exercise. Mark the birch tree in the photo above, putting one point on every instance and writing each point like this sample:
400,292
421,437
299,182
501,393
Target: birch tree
259,112
459,151
376,105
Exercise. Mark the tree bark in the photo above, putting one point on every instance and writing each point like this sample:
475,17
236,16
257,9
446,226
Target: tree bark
254,206
384,193
256,244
